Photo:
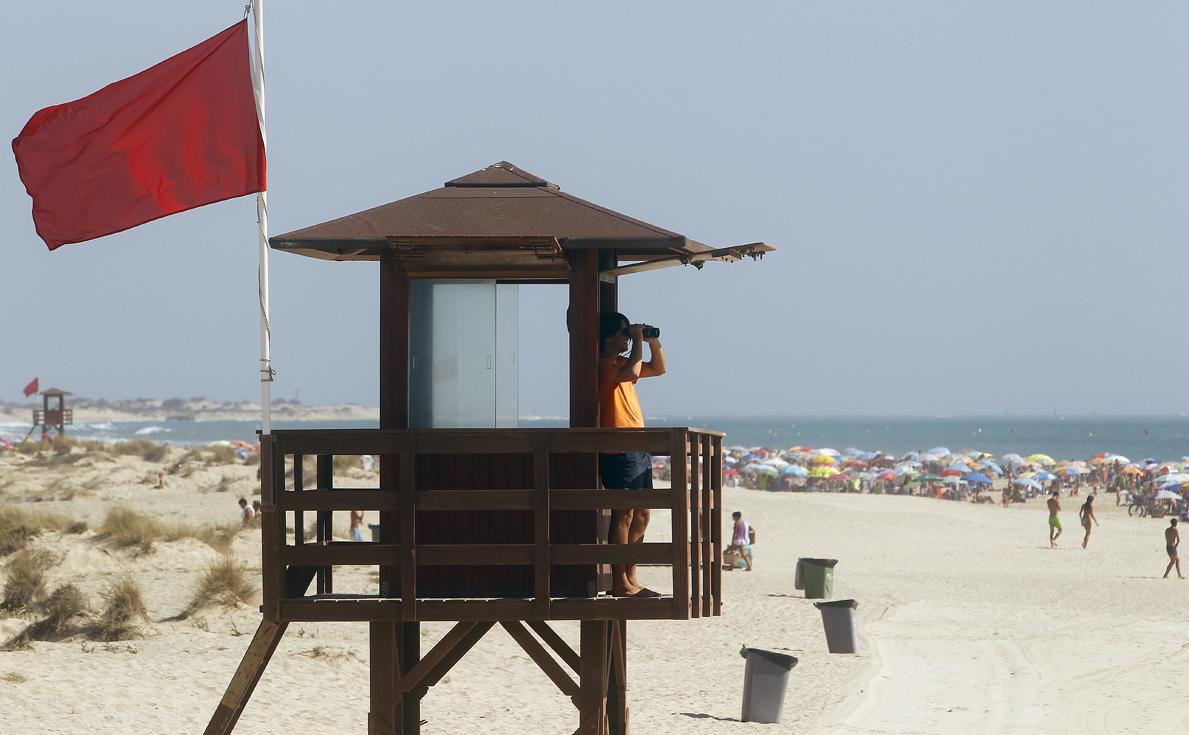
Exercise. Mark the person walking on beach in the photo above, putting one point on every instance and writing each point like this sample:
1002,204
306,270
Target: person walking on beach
619,408
1172,539
1054,520
1086,513
741,538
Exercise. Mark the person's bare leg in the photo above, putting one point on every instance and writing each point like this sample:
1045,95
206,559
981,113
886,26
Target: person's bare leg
1178,563
1052,538
621,523
747,559
1086,539
640,518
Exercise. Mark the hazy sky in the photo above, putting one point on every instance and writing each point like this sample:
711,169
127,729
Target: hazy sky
978,207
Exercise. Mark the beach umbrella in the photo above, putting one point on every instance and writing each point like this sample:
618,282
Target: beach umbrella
824,471
793,470
1112,458
954,480
761,469
939,451
823,459
1042,459
1071,471
1176,478
1168,495
1012,460
1131,470
987,464
776,462
951,472
960,467
1045,476
1026,482
977,478
886,475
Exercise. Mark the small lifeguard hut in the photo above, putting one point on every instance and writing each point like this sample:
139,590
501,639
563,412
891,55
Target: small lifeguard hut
53,414
481,522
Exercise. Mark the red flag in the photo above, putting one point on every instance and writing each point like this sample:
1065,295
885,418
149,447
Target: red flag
31,388
178,135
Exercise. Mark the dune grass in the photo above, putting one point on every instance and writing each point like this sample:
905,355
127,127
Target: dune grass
19,526
224,583
123,609
127,529
24,583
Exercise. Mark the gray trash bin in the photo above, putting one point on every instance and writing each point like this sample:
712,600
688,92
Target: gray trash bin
798,581
838,618
375,529
764,683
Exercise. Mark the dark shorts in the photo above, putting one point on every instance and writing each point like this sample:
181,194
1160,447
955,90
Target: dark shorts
1172,551
628,471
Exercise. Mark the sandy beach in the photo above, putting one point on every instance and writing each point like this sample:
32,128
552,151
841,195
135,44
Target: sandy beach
969,622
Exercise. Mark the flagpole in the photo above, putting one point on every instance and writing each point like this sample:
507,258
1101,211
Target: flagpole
266,371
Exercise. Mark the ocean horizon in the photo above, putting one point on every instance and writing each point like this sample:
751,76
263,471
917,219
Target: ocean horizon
1073,437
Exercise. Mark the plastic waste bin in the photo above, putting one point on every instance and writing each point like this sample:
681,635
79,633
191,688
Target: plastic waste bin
798,579
838,618
375,529
764,683
818,577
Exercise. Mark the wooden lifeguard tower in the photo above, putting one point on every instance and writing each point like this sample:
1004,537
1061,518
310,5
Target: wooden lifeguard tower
483,523
53,413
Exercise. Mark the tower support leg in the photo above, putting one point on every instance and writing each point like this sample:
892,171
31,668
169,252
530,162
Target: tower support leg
592,697
260,650
395,650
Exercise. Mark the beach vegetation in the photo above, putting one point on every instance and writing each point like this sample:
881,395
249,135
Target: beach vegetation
126,529
64,605
18,526
24,583
13,677
224,583
148,450
123,609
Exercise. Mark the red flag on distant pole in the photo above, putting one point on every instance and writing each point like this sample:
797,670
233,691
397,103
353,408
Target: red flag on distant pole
178,135
32,388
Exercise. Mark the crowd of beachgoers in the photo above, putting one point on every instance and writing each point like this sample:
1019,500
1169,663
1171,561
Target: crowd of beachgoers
954,475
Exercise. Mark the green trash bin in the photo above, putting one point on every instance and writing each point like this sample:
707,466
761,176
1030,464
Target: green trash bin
818,577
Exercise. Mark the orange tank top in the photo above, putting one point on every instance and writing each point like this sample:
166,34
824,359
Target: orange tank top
619,408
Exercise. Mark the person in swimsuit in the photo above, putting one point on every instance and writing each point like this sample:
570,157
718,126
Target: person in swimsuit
619,408
1054,521
1172,539
1086,513
356,525
741,539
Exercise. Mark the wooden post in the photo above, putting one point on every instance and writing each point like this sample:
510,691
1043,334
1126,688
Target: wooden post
324,465
707,528
541,561
617,701
716,526
255,659
695,527
409,652
386,662
679,455
592,700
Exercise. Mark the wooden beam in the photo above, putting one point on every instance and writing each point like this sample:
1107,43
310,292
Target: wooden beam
695,527
453,656
383,674
716,525
541,657
564,499
679,473
583,323
235,698
459,500
592,700
272,529
561,608
478,554
557,643
330,500
725,255
707,547
408,654
655,441
408,528
541,517
642,553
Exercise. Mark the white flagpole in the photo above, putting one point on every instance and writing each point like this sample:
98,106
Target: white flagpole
266,372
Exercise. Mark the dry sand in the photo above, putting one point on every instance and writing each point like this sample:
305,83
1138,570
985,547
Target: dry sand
970,625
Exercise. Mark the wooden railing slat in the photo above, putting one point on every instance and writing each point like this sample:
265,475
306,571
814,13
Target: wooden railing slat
541,540
695,527
408,527
707,517
679,490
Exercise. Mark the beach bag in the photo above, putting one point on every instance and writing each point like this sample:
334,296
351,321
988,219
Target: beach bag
751,535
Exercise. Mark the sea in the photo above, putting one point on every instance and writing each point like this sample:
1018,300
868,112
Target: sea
1163,438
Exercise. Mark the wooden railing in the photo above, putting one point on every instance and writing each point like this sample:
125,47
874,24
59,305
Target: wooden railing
40,416
694,499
